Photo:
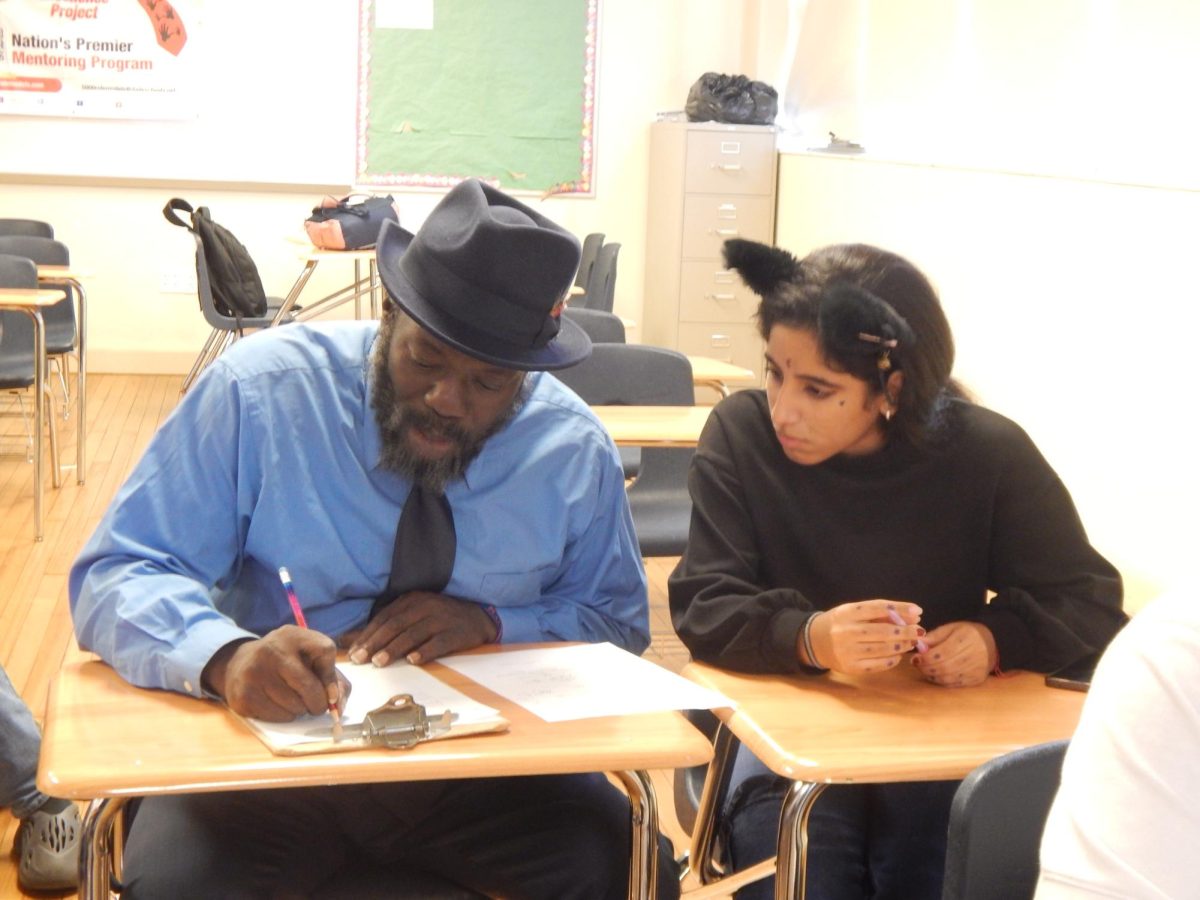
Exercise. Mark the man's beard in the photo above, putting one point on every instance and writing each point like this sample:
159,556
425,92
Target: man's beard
396,421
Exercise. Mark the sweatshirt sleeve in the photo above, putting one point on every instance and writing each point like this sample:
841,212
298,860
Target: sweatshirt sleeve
719,606
1056,598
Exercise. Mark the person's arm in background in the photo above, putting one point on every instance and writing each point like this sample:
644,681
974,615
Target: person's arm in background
1127,811
599,591
139,590
720,612
1057,599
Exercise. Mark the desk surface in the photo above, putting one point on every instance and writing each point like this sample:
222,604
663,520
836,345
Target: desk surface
105,738
654,426
60,273
29,297
705,369
891,727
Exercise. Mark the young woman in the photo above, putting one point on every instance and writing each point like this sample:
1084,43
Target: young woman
861,484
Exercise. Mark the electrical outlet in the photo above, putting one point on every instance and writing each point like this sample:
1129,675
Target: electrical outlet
177,282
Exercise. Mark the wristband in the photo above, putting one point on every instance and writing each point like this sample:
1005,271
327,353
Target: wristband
808,650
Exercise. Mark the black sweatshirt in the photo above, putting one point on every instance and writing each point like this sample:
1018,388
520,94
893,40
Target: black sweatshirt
977,509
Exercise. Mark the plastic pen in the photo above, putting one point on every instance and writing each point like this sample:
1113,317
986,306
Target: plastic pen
897,620
298,615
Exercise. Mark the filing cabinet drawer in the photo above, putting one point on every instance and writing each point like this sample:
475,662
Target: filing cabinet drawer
709,221
709,293
736,344
721,162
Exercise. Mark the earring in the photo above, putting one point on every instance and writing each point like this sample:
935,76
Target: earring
887,413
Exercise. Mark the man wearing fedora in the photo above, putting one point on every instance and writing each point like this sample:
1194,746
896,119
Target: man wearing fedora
429,489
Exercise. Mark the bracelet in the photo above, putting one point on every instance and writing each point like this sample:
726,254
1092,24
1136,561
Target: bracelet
808,650
495,617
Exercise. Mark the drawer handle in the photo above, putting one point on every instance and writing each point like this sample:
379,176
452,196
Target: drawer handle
720,297
725,232
728,167
719,340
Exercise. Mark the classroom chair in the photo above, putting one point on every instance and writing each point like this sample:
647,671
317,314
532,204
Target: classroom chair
996,823
225,329
602,327
62,330
602,282
641,375
32,227
17,356
591,246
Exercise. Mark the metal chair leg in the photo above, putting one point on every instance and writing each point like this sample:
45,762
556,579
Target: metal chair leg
201,357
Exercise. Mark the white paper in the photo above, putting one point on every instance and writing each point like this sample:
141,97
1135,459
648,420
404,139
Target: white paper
404,14
372,688
582,682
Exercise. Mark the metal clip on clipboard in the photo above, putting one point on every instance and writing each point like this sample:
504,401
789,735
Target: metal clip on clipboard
400,723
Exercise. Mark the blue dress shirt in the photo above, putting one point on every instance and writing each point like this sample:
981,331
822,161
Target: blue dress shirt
272,459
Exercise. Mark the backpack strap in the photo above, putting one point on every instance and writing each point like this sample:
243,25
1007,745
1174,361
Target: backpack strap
178,204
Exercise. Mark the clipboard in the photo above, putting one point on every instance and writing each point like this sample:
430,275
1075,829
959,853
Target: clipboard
384,711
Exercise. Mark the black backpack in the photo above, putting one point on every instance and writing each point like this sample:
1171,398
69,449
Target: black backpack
236,288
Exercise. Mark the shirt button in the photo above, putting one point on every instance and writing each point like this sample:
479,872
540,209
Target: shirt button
187,686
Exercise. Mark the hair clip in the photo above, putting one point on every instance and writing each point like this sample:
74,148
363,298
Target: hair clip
888,344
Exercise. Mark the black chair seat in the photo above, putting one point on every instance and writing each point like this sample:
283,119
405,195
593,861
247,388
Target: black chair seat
996,823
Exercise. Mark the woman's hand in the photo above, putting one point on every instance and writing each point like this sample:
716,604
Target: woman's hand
960,654
862,636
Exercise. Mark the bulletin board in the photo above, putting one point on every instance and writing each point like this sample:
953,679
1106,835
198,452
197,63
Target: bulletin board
501,90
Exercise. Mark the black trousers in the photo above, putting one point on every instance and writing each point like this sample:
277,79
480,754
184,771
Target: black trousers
561,836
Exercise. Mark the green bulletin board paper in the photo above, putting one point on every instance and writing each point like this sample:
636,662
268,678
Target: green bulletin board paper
501,90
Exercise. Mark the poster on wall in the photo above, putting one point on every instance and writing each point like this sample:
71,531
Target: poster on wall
501,90
115,59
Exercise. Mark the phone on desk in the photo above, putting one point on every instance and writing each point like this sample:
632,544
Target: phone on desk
1076,676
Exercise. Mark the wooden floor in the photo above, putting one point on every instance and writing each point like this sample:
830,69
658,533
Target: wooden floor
123,412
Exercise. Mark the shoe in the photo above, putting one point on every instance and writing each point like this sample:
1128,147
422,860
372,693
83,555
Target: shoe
48,844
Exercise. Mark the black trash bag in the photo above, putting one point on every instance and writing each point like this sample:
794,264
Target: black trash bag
734,99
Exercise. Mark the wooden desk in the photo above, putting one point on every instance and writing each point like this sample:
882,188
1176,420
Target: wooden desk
893,727
653,426
30,301
106,739
718,374
356,290
66,275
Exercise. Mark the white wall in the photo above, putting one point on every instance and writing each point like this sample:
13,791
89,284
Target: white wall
117,233
1072,304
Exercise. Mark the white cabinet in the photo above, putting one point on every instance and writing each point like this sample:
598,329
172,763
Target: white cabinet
708,182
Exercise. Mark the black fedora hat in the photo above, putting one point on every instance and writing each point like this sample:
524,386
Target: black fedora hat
489,276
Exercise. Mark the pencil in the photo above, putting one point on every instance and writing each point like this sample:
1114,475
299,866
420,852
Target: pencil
897,620
298,615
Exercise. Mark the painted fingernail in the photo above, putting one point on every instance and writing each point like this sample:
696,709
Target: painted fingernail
381,658
920,631
358,655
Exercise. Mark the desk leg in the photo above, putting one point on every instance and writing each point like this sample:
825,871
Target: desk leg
357,289
716,785
81,387
792,861
294,294
643,808
376,288
39,416
97,860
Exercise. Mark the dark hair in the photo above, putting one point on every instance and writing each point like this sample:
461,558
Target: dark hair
872,311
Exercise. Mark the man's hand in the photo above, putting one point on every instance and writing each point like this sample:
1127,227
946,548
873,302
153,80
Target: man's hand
960,654
286,674
421,626
860,637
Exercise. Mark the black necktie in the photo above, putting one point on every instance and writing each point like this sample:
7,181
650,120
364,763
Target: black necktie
423,555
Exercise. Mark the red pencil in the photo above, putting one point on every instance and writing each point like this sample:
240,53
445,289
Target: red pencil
298,614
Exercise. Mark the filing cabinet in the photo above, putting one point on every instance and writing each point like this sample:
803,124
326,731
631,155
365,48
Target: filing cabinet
708,182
